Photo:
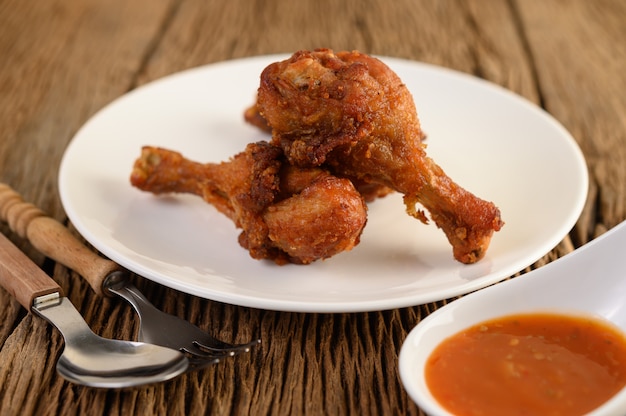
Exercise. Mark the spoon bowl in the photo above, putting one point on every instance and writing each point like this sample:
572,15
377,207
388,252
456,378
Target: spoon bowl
589,281
94,361
136,364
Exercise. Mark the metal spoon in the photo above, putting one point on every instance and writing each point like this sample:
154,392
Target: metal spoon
87,358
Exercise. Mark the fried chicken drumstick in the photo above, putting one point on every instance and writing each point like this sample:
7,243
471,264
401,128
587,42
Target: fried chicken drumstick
286,214
352,114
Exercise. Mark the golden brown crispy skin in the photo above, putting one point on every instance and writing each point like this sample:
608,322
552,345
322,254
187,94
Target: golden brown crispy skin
352,114
252,116
369,190
286,214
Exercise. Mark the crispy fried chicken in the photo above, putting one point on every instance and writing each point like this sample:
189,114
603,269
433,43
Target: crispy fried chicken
351,114
286,214
369,190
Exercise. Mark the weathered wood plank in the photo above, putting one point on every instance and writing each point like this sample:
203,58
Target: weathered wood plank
61,62
579,53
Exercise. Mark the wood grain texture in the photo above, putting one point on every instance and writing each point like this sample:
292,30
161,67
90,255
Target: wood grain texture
21,277
63,60
580,69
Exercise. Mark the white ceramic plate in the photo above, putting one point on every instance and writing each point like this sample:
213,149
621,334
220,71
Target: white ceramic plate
490,141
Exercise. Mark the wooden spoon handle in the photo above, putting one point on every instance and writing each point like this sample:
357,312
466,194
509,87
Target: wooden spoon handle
21,277
53,239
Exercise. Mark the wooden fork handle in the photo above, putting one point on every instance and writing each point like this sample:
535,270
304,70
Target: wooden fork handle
53,239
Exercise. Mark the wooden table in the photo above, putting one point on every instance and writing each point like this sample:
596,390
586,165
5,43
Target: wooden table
63,60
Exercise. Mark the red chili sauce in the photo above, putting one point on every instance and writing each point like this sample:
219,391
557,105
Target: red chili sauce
535,364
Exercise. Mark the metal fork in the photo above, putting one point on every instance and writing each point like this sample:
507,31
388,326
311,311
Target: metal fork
106,277
157,327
